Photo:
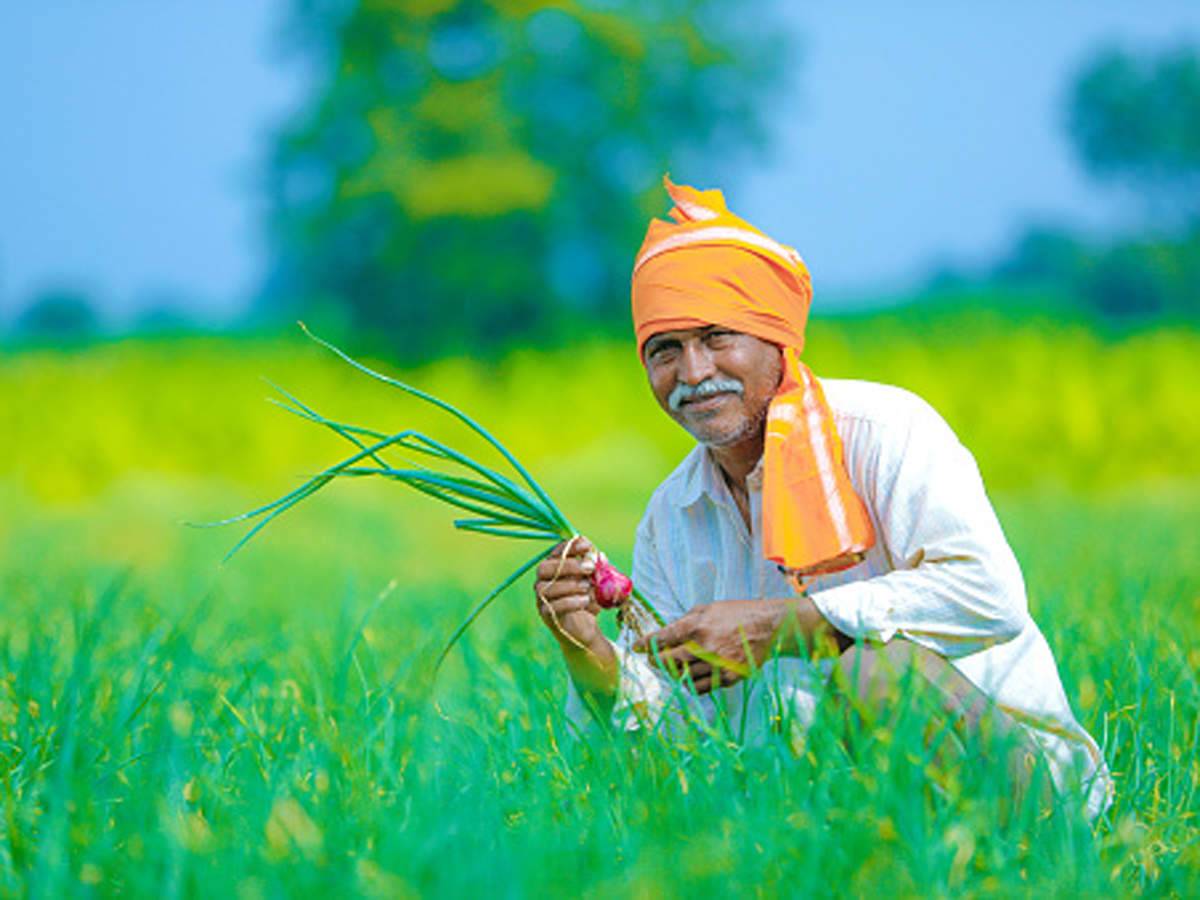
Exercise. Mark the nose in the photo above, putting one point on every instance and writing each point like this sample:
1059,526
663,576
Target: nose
695,363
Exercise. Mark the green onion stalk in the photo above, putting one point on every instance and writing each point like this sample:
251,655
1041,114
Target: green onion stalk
498,505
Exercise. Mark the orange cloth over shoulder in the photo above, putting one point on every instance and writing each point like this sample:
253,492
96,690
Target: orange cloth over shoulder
709,267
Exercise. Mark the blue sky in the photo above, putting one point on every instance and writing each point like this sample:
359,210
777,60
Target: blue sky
132,132
927,132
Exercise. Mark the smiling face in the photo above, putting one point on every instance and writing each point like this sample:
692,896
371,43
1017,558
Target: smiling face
713,381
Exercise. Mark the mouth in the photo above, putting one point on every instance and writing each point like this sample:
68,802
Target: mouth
702,404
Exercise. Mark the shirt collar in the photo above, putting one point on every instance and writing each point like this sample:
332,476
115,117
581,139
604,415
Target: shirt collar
705,479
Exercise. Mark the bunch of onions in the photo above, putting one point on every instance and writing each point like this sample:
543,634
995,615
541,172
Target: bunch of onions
499,505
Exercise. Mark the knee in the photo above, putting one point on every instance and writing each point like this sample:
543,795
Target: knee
874,674
861,673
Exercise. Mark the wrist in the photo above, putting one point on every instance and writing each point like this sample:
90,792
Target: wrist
582,642
593,666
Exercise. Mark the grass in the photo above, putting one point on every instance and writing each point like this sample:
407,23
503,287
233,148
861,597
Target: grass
169,726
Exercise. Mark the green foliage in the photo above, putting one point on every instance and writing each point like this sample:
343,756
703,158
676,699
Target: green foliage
464,170
1135,117
268,729
1147,278
61,316
1086,410
1127,280
1045,254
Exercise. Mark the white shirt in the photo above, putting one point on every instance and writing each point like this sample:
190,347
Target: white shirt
940,574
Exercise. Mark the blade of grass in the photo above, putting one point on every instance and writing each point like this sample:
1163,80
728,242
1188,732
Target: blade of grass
477,490
506,484
456,413
425,487
640,598
324,474
316,485
464,487
430,448
486,527
314,416
484,604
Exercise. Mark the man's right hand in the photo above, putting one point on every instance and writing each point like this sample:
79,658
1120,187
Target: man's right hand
567,604
565,598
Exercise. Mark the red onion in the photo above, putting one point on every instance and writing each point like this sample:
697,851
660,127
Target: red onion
611,586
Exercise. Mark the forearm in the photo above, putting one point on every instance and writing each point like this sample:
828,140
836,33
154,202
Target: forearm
957,607
596,672
715,644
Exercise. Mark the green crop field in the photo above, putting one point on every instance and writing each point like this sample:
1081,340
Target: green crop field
268,727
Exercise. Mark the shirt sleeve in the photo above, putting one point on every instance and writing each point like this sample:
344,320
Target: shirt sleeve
955,587
643,692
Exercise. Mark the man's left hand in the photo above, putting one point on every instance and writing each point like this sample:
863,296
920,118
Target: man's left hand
716,644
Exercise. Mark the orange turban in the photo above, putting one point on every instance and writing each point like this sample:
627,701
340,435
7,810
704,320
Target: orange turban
709,267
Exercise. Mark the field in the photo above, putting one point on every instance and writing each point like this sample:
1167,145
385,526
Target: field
170,725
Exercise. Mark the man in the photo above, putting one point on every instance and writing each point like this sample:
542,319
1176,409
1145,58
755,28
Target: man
812,513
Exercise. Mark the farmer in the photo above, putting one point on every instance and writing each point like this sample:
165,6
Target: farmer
813,516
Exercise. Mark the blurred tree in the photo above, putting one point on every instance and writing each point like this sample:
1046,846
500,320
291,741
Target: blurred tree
1045,254
1135,118
465,170
161,320
1148,277
60,315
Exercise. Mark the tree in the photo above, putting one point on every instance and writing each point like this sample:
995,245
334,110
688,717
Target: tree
1136,119
466,170
61,315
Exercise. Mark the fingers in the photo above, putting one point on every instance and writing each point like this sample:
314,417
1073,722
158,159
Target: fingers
565,575
563,587
685,666
721,678
554,610
563,590
681,662
569,559
702,676
666,638
675,663
578,546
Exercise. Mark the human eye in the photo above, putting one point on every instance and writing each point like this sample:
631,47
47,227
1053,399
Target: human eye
719,338
662,351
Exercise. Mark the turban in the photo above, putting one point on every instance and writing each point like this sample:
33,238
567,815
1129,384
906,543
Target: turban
709,267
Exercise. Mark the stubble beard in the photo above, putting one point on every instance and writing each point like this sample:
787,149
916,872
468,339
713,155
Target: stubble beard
750,426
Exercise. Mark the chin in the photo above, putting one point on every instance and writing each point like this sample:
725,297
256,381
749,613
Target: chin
721,437
718,434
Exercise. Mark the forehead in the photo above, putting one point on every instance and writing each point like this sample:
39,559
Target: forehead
683,334
749,347
673,336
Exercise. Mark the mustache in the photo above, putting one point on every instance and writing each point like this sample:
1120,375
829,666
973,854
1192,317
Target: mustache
684,393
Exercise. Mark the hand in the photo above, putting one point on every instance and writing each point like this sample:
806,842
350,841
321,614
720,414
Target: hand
718,644
568,607
565,599
715,644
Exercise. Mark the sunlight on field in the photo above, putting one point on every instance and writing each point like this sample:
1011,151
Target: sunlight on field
1037,404
263,726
